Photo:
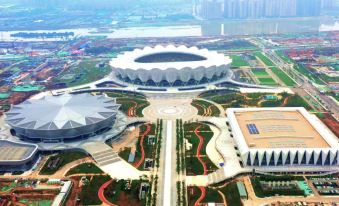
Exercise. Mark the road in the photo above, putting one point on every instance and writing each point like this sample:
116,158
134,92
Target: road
304,83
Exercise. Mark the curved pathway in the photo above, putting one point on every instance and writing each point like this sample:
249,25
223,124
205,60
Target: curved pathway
101,194
223,197
201,142
141,143
131,111
221,109
202,196
199,106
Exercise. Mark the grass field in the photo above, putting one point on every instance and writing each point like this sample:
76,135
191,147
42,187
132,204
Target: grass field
259,72
4,95
305,71
267,81
238,61
27,88
85,72
283,77
284,56
264,59
85,168
278,72
232,194
64,158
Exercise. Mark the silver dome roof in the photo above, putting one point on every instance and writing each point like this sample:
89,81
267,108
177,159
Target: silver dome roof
61,112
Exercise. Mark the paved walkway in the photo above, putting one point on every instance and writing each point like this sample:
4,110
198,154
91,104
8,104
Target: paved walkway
110,162
167,196
101,194
141,143
202,196
211,150
201,142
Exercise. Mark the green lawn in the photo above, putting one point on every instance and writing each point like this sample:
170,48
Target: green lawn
212,195
114,191
232,194
259,72
27,88
193,165
64,158
238,61
124,154
306,72
297,101
4,95
85,72
89,193
264,59
85,168
267,81
283,77
283,56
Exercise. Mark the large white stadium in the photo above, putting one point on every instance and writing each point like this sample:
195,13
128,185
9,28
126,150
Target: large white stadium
288,137
165,66
62,118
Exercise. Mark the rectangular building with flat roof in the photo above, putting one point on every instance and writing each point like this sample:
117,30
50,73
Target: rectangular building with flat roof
282,136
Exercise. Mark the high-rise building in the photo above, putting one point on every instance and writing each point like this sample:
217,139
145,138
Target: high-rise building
328,4
211,9
255,8
240,9
308,7
280,8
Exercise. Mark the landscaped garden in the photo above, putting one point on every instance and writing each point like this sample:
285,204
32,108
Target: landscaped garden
214,194
205,108
196,160
85,168
55,162
131,104
89,193
232,99
147,147
126,192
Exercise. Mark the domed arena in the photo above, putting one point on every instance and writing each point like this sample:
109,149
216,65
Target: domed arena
62,118
171,66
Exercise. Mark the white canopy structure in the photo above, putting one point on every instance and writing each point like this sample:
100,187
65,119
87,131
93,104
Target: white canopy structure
171,66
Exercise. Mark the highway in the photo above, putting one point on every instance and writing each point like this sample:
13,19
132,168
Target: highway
303,82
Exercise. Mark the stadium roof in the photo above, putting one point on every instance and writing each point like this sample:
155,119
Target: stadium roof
278,129
16,152
200,58
61,112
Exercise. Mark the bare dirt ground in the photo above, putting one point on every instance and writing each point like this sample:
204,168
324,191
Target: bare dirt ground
332,124
128,140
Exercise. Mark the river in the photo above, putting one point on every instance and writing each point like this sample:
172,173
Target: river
201,28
